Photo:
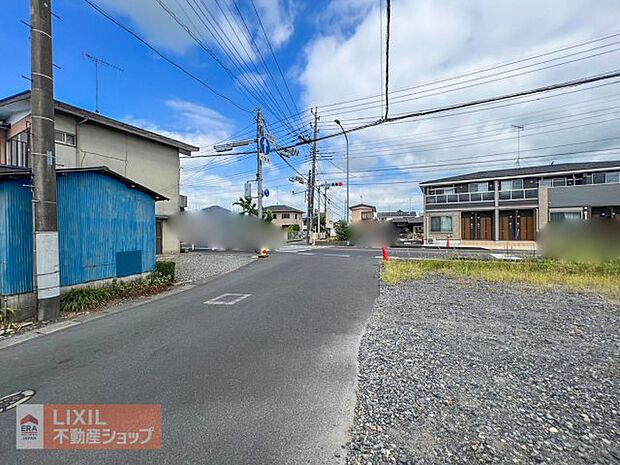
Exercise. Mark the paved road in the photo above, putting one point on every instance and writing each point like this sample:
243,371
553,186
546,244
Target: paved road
268,380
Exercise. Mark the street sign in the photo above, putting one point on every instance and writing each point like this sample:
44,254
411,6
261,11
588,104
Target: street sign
266,192
264,158
265,145
248,189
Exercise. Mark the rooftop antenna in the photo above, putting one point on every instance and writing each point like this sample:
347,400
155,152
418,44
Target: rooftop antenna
519,128
97,62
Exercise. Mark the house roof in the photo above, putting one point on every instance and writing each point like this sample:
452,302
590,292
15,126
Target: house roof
394,214
531,170
216,209
362,205
20,102
9,172
282,208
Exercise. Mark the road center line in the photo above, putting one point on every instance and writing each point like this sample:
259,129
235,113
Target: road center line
227,299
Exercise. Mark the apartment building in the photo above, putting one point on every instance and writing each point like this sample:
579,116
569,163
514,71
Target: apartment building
510,206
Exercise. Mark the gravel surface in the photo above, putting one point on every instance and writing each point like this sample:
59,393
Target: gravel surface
455,372
198,266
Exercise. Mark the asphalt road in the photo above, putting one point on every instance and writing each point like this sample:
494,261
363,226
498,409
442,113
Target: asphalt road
268,380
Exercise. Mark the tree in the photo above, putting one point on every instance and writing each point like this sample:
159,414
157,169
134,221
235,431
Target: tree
268,216
293,228
248,207
343,231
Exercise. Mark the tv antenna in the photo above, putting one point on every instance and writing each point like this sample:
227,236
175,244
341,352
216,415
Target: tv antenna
99,61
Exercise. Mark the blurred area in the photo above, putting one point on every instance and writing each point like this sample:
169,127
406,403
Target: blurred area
224,230
583,241
374,234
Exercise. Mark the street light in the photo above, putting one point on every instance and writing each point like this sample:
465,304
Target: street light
346,138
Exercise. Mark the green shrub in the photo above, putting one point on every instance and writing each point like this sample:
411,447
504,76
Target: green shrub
6,317
91,298
166,270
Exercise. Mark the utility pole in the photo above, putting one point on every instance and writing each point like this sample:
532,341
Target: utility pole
325,210
318,209
43,162
312,178
259,162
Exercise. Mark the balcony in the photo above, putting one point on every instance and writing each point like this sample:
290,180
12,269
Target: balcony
519,194
466,197
17,154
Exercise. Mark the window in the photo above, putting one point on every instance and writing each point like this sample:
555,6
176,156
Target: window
545,183
479,187
613,177
560,217
64,137
443,190
441,224
286,216
559,182
512,184
275,216
367,215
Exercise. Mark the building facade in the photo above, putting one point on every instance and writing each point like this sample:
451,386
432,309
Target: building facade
511,206
363,212
87,139
285,216
100,237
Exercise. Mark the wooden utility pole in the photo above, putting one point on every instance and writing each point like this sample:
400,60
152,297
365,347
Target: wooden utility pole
312,179
43,162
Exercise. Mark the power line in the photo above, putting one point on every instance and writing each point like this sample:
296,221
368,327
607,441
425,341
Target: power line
165,58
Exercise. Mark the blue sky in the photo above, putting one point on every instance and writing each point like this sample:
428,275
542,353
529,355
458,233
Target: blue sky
330,51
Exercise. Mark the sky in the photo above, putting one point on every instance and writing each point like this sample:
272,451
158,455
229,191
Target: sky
287,56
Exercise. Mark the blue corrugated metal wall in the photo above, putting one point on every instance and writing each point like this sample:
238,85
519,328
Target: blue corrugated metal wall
16,275
98,217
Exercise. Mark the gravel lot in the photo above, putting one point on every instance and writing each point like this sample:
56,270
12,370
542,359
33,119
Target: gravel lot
455,372
198,266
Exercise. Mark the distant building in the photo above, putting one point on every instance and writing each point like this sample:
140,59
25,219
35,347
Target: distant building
408,223
285,216
510,206
362,212
87,139
106,230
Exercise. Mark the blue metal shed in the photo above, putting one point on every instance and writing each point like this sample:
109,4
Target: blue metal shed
106,228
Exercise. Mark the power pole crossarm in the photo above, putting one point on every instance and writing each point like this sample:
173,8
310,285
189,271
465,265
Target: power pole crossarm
47,270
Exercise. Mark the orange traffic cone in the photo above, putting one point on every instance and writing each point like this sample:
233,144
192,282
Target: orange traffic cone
384,251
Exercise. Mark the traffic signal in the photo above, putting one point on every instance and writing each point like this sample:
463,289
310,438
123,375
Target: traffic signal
337,184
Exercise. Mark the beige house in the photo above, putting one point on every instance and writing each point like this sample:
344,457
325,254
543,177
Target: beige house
285,216
87,139
363,212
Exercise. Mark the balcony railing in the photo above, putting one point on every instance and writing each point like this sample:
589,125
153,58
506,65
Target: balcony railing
519,194
17,154
461,198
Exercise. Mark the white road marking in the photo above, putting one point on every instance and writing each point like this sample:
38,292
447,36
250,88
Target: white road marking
305,253
334,255
227,299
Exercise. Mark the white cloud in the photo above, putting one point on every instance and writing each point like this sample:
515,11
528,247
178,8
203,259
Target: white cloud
163,30
433,40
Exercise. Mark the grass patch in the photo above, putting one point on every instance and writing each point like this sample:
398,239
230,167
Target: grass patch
600,277
92,298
